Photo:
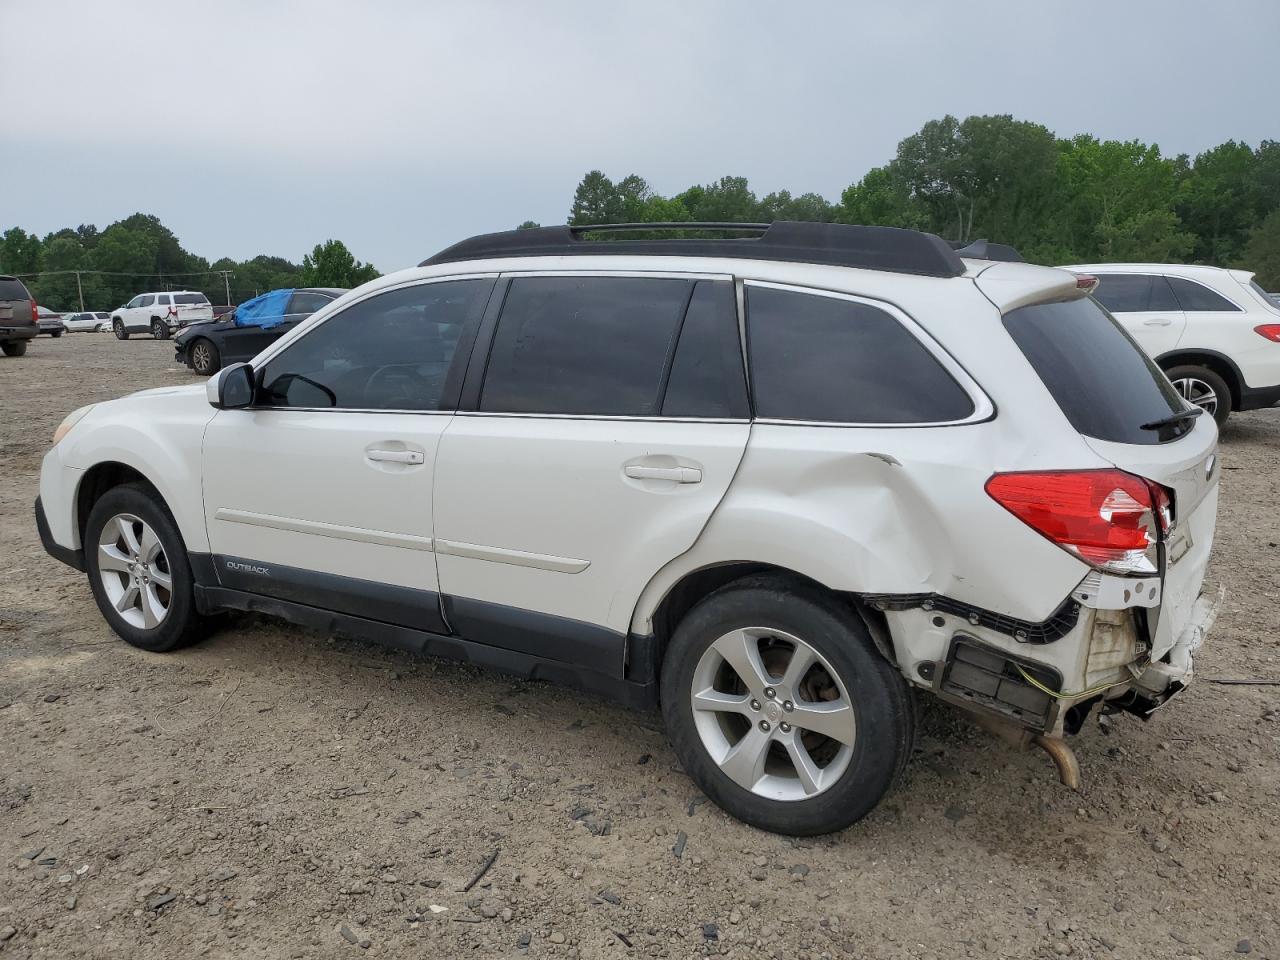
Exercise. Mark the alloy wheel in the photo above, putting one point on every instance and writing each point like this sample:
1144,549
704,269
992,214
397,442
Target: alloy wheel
1196,391
134,571
201,358
773,714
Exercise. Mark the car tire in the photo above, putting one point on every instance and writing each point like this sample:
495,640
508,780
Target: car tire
1204,388
159,331
204,356
14,348
117,326
56,334
131,531
803,781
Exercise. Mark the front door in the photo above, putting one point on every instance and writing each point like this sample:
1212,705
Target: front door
321,493
607,427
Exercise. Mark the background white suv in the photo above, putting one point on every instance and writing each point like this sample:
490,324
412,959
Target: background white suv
160,314
1214,332
775,485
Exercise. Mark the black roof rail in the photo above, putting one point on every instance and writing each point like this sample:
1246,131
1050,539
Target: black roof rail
987,250
788,241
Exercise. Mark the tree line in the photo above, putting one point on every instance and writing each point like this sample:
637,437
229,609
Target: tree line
139,253
1057,200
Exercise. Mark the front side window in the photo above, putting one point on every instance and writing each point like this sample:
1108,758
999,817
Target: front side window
135,302
146,300
833,360
584,345
1197,298
393,351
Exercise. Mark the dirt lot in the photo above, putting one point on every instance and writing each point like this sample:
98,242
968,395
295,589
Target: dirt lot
276,793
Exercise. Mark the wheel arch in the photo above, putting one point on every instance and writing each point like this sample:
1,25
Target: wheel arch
662,607
1219,363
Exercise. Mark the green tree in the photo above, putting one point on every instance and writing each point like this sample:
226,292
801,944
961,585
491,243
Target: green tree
781,205
331,264
1219,199
58,289
1262,251
728,200
19,251
529,225
596,200
881,198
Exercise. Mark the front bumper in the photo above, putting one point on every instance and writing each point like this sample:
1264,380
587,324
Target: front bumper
71,557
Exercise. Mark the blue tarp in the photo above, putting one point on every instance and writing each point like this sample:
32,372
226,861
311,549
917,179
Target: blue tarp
265,311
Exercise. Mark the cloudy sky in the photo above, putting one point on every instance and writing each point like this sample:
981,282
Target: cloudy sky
399,126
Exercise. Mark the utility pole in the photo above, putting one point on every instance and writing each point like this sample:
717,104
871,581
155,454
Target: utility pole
226,285
80,291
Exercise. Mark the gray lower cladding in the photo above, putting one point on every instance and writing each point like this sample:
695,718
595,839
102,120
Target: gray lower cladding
523,642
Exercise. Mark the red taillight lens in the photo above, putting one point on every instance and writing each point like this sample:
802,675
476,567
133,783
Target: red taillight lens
1086,282
35,314
1108,518
1269,330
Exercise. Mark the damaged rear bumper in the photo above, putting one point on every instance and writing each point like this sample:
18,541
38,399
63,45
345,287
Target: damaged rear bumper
1172,673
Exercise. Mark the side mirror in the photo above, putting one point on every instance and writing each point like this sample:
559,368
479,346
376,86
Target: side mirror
231,388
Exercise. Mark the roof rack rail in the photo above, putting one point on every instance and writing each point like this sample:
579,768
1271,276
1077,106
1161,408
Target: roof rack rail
987,250
788,241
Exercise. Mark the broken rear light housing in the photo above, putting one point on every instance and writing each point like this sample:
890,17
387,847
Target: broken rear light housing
1110,519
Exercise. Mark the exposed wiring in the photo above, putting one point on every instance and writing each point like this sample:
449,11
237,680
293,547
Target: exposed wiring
1057,695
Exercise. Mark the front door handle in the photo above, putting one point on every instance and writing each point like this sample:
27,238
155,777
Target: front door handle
395,456
679,474
1160,322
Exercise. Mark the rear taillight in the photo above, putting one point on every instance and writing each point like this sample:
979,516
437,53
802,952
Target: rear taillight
1269,330
35,314
1086,282
1110,519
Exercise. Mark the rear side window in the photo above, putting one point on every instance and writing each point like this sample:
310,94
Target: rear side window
11,289
190,298
839,361
1104,384
146,300
584,345
1135,293
706,376
393,351
1196,297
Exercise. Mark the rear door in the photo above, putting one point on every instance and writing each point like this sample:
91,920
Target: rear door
589,451
1146,307
15,303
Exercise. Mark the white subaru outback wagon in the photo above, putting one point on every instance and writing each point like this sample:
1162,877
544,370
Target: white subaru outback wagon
775,479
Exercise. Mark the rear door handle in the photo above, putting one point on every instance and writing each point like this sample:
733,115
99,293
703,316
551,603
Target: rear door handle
679,474
395,456
1161,322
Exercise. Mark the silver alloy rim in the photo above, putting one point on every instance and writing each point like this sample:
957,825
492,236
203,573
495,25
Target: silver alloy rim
773,714
1197,392
200,356
134,571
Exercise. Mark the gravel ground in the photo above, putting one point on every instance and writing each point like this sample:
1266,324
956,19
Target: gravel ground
278,793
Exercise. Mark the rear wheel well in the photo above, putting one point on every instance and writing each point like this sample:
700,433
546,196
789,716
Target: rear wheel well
1223,368
97,480
695,586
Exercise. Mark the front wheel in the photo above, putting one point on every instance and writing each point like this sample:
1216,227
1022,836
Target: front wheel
118,326
138,570
204,357
14,348
781,710
1204,388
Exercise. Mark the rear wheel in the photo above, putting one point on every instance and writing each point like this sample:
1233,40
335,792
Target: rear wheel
14,348
159,331
118,326
138,570
1204,388
204,357
780,708
56,334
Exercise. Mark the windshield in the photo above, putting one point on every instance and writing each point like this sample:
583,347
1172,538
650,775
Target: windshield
1107,387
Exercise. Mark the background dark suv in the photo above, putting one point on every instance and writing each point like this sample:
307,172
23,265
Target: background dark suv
18,319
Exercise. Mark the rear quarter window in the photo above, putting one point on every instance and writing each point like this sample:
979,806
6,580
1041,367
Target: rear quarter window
1197,298
1104,384
832,360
